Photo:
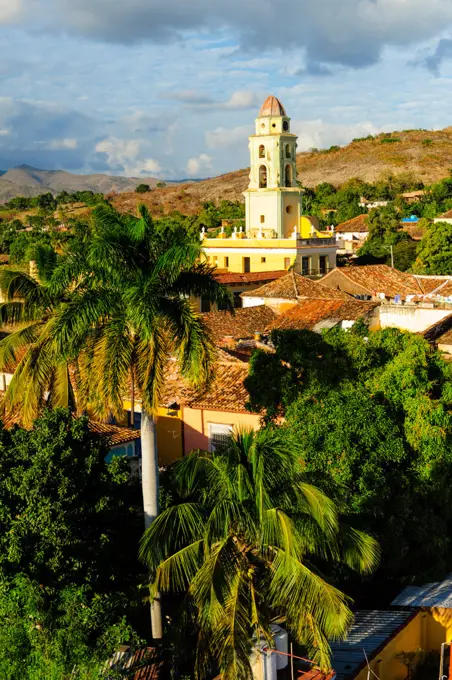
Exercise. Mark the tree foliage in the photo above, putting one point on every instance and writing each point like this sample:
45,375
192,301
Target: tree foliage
435,250
243,541
372,415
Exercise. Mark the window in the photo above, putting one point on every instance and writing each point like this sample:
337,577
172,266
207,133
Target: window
286,262
205,305
289,209
305,266
323,264
288,153
262,219
288,176
262,151
273,125
246,265
263,259
226,261
215,260
218,435
263,177
285,125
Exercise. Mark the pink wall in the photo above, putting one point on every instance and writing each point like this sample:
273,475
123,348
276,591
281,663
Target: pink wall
196,425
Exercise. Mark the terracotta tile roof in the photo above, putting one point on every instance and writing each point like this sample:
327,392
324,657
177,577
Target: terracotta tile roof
358,223
251,277
227,391
447,215
439,331
308,313
243,324
294,286
113,433
379,278
432,284
272,107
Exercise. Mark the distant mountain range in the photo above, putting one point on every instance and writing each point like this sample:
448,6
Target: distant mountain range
27,181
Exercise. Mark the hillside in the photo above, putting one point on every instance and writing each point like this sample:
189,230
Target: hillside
27,181
425,154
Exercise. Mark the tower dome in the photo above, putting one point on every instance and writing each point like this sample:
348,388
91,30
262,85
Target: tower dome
272,107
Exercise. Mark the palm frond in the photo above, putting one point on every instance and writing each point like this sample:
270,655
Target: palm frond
174,529
12,347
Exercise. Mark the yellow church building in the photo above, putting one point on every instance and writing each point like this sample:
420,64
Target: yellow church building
277,236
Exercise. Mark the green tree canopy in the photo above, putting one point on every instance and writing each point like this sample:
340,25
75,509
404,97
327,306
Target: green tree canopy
372,415
243,541
66,518
435,250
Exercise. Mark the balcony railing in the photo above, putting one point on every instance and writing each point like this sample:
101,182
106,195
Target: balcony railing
321,271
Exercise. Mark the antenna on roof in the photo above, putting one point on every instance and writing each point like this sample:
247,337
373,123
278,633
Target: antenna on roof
369,670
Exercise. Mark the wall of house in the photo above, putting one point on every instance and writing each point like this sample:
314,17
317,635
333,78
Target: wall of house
426,631
445,348
336,279
386,665
265,255
169,433
409,318
196,425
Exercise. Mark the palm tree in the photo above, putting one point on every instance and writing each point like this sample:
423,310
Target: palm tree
41,374
241,541
130,312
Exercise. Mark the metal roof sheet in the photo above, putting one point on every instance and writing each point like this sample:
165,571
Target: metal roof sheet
429,595
370,631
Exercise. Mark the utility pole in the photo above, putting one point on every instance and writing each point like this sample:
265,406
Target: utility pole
391,250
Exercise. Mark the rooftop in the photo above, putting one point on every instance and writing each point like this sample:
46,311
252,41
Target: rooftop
370,632
243,324
272,107
251,277
316,314
226,392
356,224
378,278
440,332
294,286
113,433
447,215
429,595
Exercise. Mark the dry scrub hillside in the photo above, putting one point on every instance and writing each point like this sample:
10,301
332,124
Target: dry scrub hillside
425,154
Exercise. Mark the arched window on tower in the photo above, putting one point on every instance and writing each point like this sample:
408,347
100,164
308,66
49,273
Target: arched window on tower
288,176
263,177
262,151
288,153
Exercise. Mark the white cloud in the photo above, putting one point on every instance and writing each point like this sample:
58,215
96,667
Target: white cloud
319,134
62,144
127,155
242,99
200,164
10,11
222,138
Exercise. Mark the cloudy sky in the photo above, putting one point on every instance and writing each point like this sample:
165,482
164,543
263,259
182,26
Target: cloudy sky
170,88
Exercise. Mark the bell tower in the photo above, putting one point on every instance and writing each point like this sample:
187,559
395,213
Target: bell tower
273,195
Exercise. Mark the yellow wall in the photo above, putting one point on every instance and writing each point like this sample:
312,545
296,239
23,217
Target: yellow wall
426,631
169,433
276,257
386,665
